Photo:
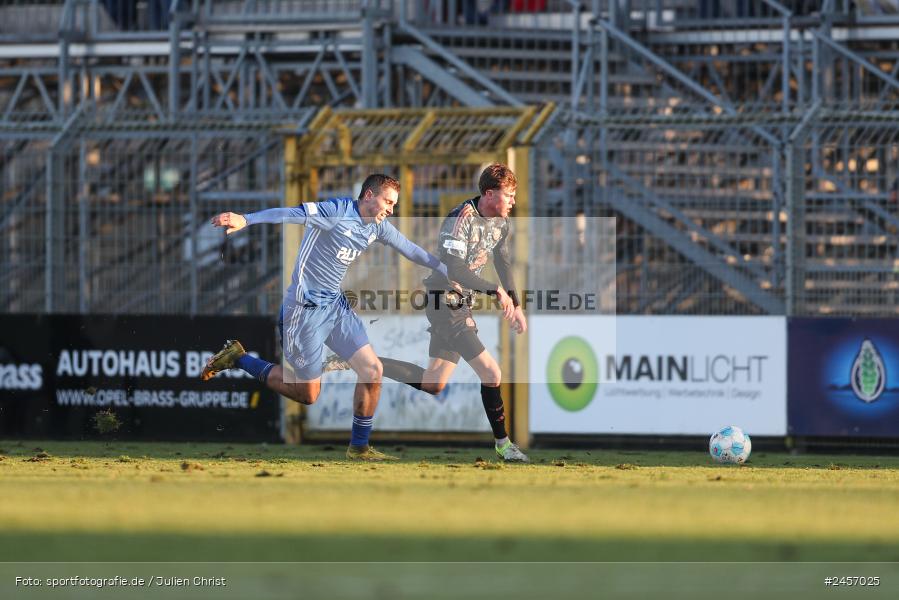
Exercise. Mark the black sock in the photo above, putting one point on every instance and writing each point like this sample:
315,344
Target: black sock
493,406
404,372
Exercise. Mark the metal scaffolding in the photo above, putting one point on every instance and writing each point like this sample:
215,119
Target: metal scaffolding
746,148
702,138
115,220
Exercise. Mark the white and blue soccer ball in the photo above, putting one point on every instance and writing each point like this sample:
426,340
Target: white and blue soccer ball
730,445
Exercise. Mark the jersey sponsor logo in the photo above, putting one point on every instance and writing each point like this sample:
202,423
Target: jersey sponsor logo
347,255
21,377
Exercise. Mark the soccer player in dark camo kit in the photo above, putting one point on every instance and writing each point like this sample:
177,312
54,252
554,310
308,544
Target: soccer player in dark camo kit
315,312
471,230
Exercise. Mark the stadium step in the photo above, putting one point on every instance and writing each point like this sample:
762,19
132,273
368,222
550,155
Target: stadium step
546,72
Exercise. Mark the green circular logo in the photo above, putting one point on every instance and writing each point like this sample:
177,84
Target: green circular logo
572,373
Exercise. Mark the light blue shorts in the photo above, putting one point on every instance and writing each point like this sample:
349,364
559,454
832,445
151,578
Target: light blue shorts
307,329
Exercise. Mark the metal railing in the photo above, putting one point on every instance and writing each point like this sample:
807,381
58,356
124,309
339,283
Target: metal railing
749,175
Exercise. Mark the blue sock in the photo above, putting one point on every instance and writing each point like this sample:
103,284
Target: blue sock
256,367
361,430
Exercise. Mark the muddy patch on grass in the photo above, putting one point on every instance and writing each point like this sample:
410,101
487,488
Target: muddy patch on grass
480,463
264,473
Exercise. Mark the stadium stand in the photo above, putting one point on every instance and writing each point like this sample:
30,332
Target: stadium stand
748,148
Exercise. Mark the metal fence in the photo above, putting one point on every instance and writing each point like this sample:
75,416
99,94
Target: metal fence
750,174
844,181
694,205
711,217
22,209
119,224
715,218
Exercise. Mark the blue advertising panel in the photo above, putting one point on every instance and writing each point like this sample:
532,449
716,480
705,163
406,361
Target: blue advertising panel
843,377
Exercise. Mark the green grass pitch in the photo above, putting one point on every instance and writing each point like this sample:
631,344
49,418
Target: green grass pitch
95,501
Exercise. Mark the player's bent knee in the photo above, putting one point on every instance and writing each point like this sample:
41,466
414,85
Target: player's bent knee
378,370
303,394
371,372
434,387
492,376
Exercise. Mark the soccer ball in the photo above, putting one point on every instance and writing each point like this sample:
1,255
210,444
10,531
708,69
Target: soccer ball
730,445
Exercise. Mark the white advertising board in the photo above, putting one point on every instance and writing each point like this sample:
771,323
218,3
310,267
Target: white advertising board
657,375
458,408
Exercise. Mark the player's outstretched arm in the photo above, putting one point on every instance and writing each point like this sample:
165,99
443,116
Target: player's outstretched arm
292,214
233,221
317,214
411,250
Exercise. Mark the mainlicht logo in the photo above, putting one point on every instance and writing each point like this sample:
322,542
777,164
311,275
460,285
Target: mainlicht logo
572,373
868,376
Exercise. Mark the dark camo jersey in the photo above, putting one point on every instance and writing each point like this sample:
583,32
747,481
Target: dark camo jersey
468,236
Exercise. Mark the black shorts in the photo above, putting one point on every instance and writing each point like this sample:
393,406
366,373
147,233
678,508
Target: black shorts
454,333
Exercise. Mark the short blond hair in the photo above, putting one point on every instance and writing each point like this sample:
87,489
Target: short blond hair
495,177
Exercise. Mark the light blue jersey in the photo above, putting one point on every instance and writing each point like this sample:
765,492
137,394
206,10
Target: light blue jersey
335,238
314,310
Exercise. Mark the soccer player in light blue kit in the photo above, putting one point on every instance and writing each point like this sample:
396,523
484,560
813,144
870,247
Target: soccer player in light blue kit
315,313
